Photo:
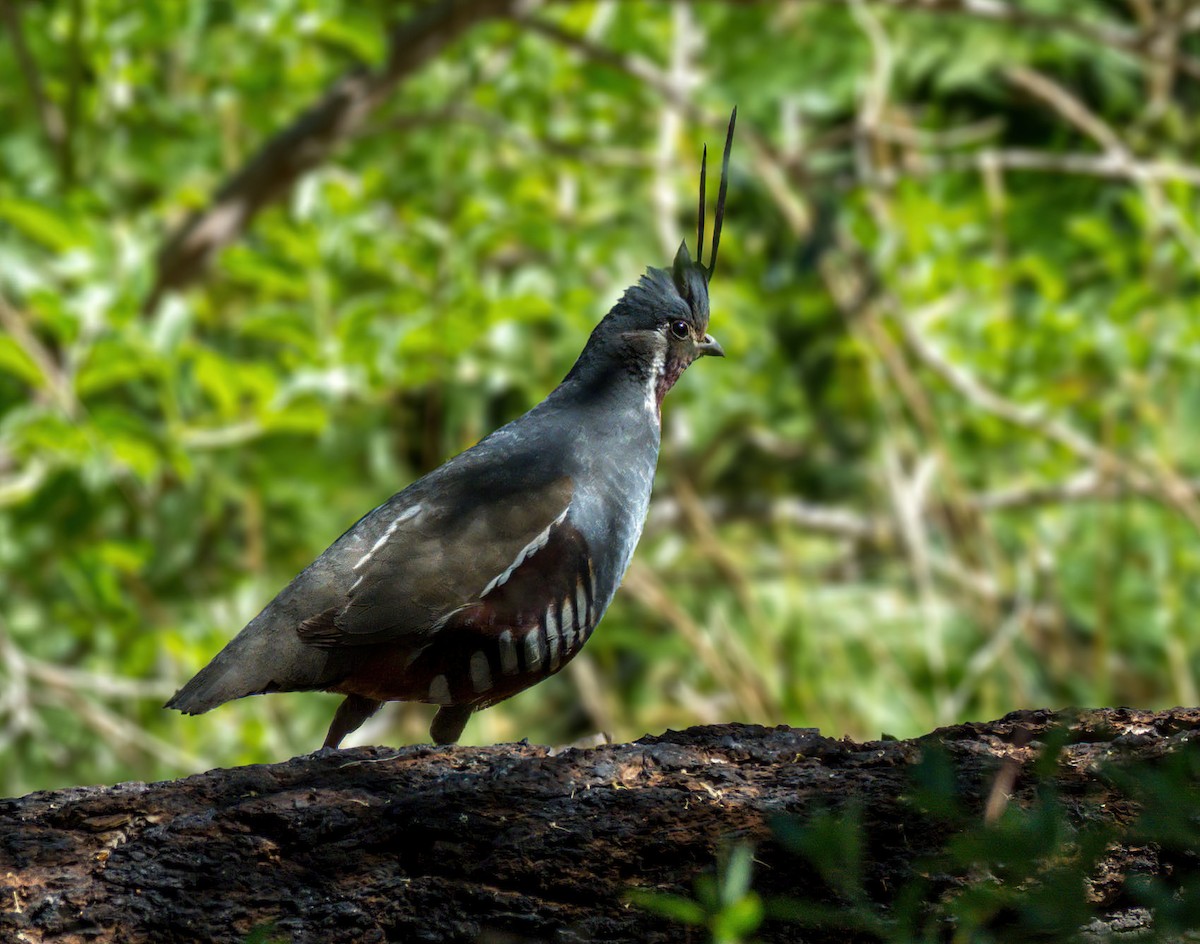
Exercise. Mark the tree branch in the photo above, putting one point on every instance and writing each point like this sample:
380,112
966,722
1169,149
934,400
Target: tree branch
312,137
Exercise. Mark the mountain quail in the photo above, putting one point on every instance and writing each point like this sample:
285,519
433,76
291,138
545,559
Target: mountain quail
490,573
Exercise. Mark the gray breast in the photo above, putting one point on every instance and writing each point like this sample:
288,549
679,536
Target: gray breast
612,498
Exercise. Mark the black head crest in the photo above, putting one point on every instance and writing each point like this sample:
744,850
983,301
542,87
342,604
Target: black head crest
682,258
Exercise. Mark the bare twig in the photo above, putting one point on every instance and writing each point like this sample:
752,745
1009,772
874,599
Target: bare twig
873,105
1093,165
1084,487
1171,489
1162,23
593,696
66,154
994,649
522,138
666,514
941,138
102,684
16,703
909,494
1139,44
220,437
57,381
123,733
709,544
682,77
16,488
1116,150
997,11
1069,107
769,169
747,689
49,116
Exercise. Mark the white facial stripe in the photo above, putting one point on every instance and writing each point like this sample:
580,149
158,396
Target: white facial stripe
526,552
656,371
407,515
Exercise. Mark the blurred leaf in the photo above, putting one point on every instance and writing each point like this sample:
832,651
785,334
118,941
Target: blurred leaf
40,224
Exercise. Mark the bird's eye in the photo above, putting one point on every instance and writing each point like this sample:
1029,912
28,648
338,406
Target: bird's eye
679,329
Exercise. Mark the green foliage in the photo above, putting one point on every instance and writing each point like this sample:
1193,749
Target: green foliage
724,904
1025,876
265,934
832,843
164,472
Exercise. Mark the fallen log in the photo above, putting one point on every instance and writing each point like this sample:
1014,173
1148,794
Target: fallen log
521,843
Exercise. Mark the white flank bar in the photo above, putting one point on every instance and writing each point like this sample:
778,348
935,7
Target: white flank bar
481,672
581,607
508,653
568,623
439,690
533,651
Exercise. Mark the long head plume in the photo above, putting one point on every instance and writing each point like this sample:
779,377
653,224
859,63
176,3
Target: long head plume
720,193
712,261
683,262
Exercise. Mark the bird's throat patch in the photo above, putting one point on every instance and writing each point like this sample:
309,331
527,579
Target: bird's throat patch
672,369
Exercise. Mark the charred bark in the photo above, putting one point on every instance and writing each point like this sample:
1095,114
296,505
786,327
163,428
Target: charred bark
513,842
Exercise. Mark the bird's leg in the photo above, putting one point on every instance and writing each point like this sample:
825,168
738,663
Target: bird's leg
449,722
349,717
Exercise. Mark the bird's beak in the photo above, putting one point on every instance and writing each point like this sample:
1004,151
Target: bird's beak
709,346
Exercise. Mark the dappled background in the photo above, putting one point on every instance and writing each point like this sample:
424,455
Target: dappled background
262,265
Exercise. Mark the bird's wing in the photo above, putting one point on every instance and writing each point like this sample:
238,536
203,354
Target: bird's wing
436,554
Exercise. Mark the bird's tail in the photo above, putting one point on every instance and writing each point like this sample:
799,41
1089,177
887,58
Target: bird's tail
259,659
218,682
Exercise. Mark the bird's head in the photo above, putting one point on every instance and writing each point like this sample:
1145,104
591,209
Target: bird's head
660,326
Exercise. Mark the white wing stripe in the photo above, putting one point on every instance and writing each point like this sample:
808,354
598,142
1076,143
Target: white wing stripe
407,515
526,552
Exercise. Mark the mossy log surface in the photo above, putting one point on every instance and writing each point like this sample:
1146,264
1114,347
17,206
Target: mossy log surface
514,842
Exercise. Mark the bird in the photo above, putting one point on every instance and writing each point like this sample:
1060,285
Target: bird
489,574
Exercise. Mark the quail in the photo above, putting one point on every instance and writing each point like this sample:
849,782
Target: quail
490,573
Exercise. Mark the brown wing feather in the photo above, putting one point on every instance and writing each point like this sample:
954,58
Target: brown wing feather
518,633
434,564
320,630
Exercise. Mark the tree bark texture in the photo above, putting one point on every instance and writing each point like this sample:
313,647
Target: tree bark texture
514,842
